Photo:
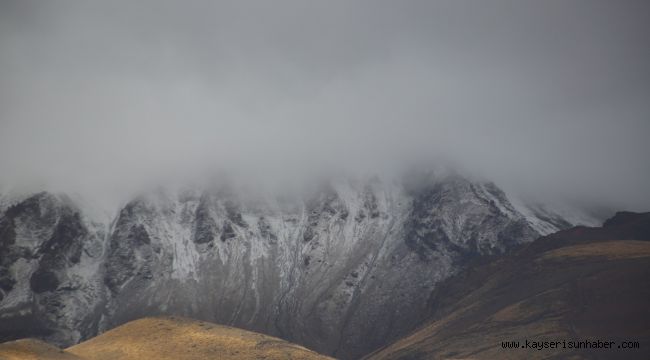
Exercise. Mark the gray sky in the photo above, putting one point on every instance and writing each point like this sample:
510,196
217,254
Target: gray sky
548,97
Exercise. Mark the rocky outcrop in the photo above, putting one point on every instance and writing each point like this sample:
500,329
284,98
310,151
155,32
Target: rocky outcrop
49,264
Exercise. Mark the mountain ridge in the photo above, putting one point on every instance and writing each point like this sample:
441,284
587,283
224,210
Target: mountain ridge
347,262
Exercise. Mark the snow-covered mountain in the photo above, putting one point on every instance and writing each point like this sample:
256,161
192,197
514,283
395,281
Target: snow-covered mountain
342,269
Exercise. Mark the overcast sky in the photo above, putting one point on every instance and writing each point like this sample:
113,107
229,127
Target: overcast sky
549,97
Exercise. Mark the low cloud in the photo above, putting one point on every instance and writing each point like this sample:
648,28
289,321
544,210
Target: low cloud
546,98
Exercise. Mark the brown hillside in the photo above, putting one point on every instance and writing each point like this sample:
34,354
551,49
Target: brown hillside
32,349
576,285
178,338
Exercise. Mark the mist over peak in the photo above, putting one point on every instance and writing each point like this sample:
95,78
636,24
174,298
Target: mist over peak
546,99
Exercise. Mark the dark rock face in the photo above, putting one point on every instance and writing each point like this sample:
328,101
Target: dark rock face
27,211
61,250
342,271
43,280
130,249
322,209
7,240
47,259
206,227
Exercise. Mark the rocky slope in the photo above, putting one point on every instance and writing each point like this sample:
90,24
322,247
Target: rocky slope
576,285
341,269
50,257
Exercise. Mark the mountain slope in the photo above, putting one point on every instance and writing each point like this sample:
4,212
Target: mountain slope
575,285
342,268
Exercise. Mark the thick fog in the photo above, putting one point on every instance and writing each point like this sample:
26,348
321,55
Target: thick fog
550,98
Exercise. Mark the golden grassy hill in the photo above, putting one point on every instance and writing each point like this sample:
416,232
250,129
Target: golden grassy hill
176,338
32,349
163,338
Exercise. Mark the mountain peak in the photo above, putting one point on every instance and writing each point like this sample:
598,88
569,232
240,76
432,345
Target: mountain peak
315,265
